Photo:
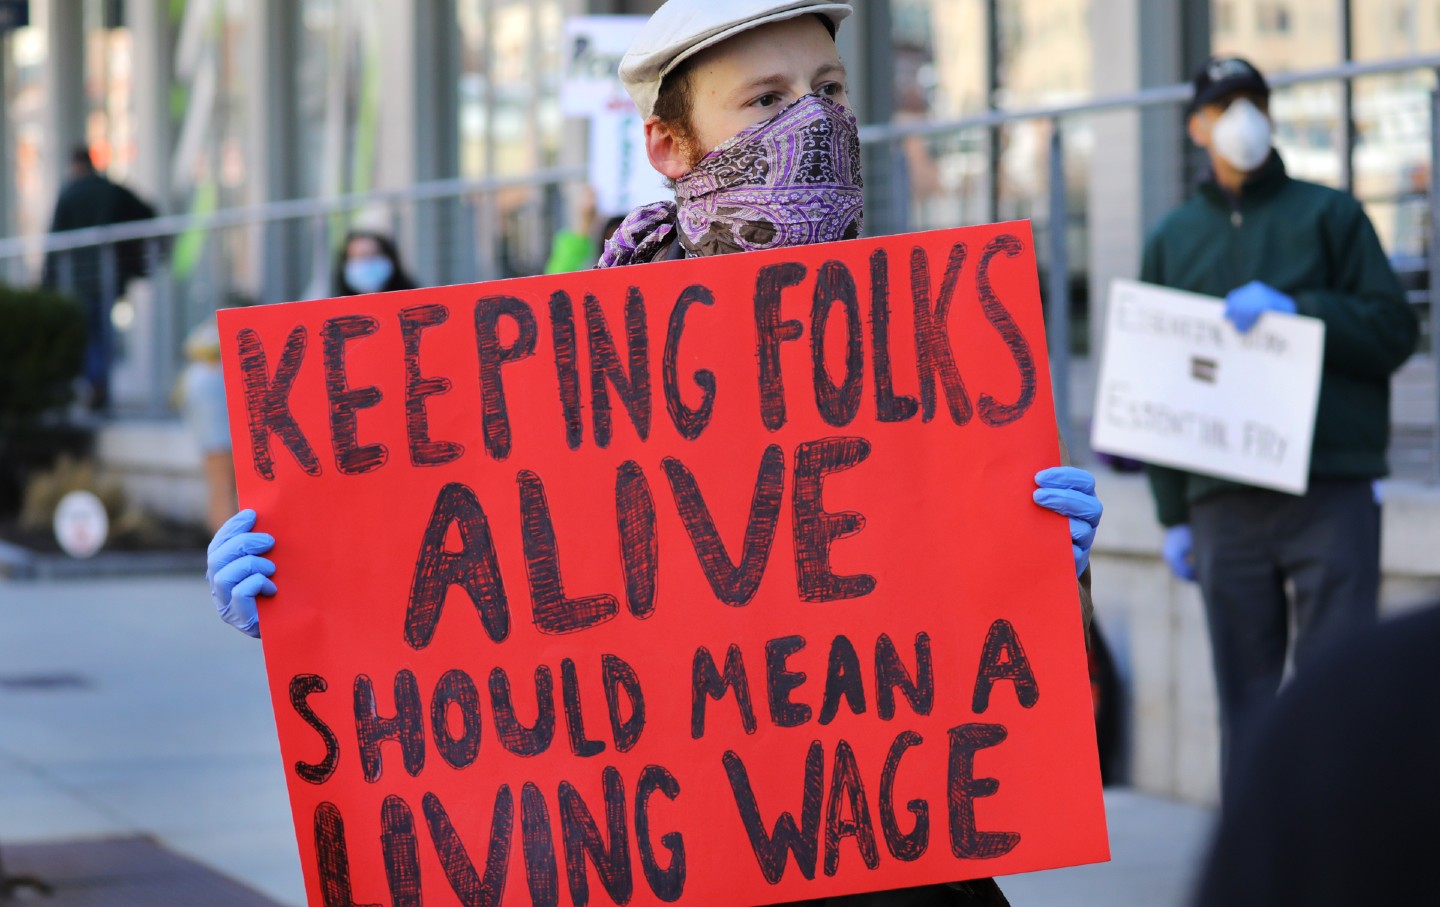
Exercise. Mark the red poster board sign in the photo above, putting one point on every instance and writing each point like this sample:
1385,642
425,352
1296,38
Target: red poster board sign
712,582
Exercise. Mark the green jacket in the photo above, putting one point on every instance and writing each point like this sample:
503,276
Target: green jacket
1316,245
571,250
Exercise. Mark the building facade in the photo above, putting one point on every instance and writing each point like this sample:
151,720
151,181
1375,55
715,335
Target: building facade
210,106
269,127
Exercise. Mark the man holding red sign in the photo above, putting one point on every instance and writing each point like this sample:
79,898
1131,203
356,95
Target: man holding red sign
746,110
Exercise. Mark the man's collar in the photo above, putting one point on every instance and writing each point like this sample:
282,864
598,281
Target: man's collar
1265,181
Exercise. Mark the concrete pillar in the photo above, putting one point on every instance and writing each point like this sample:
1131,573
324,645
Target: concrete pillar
575,132
151,66
9,271
277,266
1141,158
866,45
419,123
147,372
1140,170
64,88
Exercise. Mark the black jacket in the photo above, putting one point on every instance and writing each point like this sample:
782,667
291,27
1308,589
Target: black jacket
1316,245
94,201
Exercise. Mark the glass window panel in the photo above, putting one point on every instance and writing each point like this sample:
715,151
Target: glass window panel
1044,59
946,177
25,104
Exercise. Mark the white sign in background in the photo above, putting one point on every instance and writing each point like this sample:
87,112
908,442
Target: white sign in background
1180,386
594,46
619,171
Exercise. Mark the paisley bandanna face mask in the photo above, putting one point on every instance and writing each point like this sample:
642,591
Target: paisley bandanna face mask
792,180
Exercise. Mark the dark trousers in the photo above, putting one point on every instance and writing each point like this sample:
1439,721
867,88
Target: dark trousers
974,893
1247,545
99,343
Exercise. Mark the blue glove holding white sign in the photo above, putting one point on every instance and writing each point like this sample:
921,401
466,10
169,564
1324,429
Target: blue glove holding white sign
1179,552
237,573
1245,305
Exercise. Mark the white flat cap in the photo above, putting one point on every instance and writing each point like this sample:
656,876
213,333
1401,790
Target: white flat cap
682,28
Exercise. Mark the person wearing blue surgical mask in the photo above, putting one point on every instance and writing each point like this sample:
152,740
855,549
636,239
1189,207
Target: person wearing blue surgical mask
369,263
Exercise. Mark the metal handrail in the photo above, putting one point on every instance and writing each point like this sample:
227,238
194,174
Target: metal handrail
1057,296
1057,301
1145,97
291,209
288,209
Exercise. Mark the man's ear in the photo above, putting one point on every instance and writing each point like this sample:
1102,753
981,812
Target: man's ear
1198,125
666,149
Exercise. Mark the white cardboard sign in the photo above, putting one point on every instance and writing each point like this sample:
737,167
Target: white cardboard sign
594,46
620,171
1181,387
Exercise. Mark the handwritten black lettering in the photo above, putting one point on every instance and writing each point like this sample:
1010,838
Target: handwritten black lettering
302,687
424,451
493,355
267,402
474,568
689,422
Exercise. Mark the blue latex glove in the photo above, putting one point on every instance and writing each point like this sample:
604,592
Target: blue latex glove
236,572
1245,305
1178,545
1070,492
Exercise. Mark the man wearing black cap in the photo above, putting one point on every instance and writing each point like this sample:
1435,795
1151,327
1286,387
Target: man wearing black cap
1267,243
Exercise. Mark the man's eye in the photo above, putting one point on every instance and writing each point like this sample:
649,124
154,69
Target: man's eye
831,89
766,100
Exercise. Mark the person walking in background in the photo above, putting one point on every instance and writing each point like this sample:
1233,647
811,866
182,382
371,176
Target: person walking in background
1268,243
1332,802
88,199
201,391
369,263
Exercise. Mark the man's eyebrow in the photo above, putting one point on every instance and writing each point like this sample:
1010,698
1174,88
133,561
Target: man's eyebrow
772,80
776,79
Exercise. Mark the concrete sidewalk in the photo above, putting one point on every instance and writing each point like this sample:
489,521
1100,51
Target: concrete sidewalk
127,708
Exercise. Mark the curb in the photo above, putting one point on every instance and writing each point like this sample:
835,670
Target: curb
19,563
134,869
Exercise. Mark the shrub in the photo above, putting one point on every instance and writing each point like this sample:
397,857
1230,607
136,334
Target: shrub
42,348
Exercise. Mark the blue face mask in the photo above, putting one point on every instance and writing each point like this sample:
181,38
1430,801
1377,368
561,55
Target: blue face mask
368,275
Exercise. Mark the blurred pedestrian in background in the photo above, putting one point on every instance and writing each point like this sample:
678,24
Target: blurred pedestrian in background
574,247
578,248
369,263
201,391
1267,243
573,250
88,199
1332,801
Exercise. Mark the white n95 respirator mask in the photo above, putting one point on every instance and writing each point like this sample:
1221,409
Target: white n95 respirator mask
1241,135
